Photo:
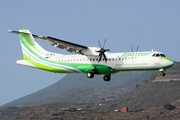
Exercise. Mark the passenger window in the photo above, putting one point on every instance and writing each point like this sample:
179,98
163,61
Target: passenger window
112,59
119,58
109,59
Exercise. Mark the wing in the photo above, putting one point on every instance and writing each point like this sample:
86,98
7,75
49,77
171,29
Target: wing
68,46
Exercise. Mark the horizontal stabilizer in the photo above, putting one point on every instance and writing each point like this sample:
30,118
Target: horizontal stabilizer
25,63
21,33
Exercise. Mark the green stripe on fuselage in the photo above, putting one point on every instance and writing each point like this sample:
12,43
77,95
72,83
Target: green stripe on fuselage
44,67
166,58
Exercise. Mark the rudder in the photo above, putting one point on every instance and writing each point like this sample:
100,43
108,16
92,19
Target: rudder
30,48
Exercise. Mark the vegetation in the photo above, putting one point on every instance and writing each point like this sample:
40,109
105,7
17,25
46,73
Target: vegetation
145,96
50,113
137,85
145,81
11,112
168,106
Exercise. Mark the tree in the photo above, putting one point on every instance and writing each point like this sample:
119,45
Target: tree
137,85
145,81
112,106
168,106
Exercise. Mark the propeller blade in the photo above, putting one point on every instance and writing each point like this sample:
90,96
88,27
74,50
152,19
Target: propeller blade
107,50
131,49
99,43
104,43
137,48
104,57
102,51
100,56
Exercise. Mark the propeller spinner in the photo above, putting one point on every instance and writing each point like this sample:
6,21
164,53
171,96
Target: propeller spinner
102,51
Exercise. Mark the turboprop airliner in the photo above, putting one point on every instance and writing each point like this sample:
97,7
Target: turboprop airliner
89,60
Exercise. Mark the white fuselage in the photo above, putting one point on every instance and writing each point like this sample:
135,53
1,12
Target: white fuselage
119,61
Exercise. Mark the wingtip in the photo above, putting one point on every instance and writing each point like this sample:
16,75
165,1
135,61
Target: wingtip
9,31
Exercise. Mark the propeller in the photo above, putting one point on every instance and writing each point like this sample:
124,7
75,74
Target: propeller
102,51
136,49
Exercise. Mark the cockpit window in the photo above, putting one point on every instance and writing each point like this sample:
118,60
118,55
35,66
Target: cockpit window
162,55
157,55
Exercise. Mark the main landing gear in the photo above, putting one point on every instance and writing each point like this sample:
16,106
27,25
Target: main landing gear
106,78
90,75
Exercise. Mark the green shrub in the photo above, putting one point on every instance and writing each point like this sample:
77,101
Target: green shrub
168,106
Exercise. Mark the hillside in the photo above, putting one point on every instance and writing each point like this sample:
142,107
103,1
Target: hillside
145,96
71,81
81,94
50,113
148,97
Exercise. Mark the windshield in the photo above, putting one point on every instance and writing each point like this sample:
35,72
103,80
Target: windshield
158,55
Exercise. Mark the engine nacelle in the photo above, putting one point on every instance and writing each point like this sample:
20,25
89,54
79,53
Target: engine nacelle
91,51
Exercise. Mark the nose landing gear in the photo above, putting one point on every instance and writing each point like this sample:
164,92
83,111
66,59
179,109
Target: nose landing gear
162,73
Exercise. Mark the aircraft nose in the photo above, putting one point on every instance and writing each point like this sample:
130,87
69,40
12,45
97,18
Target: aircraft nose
170,62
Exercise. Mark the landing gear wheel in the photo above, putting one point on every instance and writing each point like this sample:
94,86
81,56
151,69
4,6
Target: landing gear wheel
90,75
107,78
163,74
